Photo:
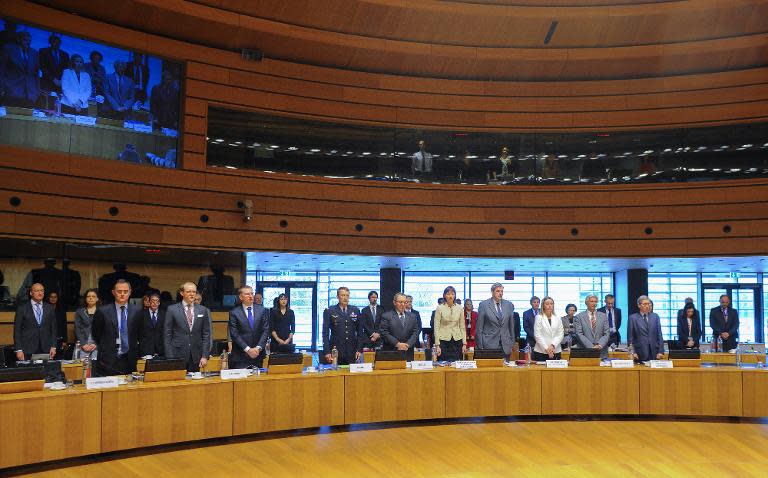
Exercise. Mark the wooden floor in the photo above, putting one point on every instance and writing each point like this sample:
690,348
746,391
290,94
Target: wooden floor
467,448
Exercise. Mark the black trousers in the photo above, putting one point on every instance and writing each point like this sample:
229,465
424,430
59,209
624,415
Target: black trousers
539,357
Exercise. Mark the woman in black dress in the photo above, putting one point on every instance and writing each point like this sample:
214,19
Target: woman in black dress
282,326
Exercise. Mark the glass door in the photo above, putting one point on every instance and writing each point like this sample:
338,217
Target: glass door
745,298
302,299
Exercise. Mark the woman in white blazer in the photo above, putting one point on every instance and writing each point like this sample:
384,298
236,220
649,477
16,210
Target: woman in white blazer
548,331
75,87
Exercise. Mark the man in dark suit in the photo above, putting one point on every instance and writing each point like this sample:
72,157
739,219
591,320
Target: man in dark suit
118,92
645,332
248,331
341,329
614,318
34,326
370,321
724,321
53,62
116,328
410,310
187,330
529,320
19,66
153,328
138,72
400,329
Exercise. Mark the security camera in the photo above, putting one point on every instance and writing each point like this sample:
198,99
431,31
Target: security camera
247,206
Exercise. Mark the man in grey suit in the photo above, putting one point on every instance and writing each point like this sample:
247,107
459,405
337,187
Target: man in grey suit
248,329
34,326
118,90
400,329
187,330
495,328
645,332
591,326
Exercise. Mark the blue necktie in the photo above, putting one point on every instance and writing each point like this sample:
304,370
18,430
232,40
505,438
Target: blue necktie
154,319
250,317
38,314
123,330
610,318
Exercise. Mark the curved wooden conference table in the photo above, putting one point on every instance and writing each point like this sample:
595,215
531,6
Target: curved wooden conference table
50,425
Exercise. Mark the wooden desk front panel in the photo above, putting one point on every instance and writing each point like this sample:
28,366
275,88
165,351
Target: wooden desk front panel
589,391
755,393
394,395
287,403
492,392
47,425
165,412
705,391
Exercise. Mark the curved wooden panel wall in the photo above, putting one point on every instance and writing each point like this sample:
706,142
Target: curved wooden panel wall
68,197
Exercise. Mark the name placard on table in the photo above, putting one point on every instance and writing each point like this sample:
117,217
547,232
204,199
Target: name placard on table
422,365
661,364
96,383
234,373
617,363
464,364
557,364
361,367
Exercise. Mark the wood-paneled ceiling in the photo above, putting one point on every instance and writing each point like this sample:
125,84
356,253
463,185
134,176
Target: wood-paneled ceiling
472,39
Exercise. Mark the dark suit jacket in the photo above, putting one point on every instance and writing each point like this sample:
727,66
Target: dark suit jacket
646,338
30,338
105,330
182,343
529,320
683,333
19,78
718,324
130,72
83,327
51,68
616,336
152,340
516,318
368,325
243,335
393,331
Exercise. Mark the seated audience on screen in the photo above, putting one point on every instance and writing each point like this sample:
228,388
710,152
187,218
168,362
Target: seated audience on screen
76,88
53,62
548,332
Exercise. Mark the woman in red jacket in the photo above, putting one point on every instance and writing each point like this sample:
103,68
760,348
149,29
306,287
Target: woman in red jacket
470,318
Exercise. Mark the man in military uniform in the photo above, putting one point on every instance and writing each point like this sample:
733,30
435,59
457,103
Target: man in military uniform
340,329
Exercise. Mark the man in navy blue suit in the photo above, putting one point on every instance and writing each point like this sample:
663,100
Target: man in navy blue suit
529,320
19,66
645,332
248,330
116,328
34,326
